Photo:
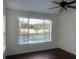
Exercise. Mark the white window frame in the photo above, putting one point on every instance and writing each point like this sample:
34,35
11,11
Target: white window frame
50,30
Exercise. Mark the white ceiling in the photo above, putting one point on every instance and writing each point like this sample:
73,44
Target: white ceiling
39,6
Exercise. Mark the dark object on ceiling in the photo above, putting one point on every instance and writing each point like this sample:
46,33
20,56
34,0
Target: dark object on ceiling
64,5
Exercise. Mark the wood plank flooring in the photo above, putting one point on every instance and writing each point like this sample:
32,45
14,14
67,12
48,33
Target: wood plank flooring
47,54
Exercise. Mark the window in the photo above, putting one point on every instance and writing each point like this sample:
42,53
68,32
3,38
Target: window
34,30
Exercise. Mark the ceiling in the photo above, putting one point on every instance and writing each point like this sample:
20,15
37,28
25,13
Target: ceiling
39,6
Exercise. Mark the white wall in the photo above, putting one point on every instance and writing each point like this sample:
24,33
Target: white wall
4,29
67,32
12,32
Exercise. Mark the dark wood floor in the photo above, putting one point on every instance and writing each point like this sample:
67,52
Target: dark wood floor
47,54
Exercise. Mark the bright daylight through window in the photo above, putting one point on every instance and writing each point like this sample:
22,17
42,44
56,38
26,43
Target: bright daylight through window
34,30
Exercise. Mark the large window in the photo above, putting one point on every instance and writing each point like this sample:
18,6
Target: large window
34,30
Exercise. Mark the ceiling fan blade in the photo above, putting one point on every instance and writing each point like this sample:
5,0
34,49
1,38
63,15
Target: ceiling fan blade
55,2
74,7
53,7
71,2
